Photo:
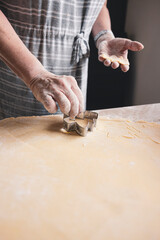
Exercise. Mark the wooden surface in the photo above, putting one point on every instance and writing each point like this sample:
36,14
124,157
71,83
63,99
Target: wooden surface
60,186
149,112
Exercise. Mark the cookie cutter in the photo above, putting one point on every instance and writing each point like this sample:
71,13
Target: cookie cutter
71,124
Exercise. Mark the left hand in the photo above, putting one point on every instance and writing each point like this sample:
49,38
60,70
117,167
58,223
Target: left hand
114,51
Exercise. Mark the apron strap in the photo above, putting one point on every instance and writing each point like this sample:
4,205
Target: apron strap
80,48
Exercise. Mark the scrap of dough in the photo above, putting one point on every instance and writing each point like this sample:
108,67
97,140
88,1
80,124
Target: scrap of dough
114,58
62,186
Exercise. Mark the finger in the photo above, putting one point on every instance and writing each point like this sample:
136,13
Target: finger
102,57
115,65
79,95
49,104
74,103
107,62
124,68
63,102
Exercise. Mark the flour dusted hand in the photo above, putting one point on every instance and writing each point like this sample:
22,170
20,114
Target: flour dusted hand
49,88
114,51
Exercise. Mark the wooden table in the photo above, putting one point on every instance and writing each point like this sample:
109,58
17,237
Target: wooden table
149,112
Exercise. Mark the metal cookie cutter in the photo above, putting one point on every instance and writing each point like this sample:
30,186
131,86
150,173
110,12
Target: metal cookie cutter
71,124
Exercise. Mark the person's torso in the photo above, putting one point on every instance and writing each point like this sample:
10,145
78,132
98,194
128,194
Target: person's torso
58,16
48,28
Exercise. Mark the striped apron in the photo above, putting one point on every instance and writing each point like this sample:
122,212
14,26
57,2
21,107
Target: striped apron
57,33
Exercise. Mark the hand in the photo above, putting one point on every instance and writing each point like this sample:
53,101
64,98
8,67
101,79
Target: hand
49,89
114,51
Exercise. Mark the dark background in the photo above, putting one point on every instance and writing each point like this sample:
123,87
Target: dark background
108,88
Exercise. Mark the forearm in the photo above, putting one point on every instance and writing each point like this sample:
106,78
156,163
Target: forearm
103,21
15,54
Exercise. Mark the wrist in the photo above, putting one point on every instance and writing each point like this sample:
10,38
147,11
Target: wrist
103,35
33,69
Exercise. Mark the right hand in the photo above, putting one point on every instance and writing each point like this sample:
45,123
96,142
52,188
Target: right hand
46,87
49,88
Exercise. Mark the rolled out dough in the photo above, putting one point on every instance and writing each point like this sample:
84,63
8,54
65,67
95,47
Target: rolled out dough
56,185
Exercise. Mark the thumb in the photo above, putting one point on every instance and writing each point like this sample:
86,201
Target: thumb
132,45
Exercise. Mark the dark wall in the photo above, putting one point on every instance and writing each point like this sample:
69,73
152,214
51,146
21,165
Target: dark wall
108,88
